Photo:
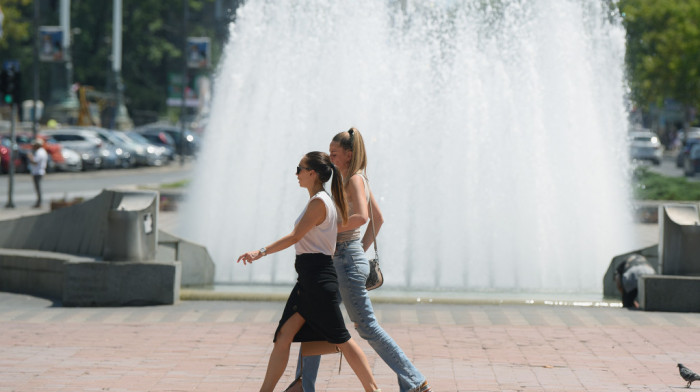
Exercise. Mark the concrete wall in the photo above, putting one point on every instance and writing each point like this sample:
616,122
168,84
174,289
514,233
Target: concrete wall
197,266
98,253
679,244
121,284
669,293
102,228
34,272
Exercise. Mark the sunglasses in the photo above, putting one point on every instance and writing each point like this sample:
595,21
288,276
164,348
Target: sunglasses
301,167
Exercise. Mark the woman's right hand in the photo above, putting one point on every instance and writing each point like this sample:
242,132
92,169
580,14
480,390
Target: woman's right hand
249,257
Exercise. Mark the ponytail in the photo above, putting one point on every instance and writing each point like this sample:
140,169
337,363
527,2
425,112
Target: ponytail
338,192
351,140
321,163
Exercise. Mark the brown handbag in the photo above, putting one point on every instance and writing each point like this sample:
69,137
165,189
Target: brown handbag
375,279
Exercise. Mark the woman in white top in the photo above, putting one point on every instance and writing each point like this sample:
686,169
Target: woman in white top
347,151
312,312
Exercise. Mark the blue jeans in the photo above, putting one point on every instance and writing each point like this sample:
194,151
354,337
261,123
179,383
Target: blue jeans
352,267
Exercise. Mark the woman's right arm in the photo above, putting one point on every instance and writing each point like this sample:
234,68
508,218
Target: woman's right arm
376,219
355,191
315,214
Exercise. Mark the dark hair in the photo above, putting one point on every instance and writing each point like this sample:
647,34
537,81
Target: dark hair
320,162
351,140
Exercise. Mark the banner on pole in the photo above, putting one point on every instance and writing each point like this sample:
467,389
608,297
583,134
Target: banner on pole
51,48
198,52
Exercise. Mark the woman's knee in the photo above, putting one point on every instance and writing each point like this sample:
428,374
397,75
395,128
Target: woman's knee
368,329
284,337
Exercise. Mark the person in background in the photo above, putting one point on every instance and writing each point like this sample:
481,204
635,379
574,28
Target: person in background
38,159
626,276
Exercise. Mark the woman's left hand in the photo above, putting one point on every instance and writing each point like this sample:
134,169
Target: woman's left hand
249,257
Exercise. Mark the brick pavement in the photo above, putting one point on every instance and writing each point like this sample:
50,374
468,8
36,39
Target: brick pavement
224,346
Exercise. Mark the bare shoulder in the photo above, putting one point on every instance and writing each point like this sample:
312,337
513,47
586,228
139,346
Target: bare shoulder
356,181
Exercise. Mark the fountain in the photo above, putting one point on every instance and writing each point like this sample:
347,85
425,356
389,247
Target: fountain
495,132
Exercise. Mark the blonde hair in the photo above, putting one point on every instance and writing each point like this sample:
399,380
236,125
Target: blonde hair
351,140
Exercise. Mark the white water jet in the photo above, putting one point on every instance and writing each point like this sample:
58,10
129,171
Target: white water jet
495,132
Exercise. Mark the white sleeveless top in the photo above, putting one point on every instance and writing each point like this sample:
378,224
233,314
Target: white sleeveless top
321,238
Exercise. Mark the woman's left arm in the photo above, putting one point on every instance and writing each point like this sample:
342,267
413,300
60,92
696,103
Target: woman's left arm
315,214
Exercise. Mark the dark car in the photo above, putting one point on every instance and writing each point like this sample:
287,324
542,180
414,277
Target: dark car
692,138
691,163
124,151
189,143
147,152
161,139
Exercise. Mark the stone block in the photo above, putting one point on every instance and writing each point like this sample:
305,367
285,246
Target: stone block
679,242
121,284
34,272
669,293
197,265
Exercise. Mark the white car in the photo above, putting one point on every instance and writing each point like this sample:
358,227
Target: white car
71,161
645,145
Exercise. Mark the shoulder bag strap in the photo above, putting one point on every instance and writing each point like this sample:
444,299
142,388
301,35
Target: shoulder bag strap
371,217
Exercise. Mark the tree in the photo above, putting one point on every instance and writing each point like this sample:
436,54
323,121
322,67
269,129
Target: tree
152,46
152,43
663,50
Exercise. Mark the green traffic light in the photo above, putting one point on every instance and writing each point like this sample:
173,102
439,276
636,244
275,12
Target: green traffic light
8,98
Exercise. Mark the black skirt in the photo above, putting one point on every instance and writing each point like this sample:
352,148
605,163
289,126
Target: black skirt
315,298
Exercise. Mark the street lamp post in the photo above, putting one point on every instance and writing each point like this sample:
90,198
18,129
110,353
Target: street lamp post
35,68
117,58
183,105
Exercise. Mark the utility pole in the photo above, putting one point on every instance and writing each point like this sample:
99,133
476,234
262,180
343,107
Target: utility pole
13,155
183,106
64,16
35,69
117,58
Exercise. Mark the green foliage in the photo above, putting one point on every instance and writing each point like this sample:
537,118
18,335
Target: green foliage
663,50
653,186
175,185
17,24
152,43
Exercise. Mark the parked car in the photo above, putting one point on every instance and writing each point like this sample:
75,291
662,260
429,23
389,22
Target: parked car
691,163
125,154
691,139
190,142
24,147
645,145
20,160
83,141
147,153
53,149
161,139
72,162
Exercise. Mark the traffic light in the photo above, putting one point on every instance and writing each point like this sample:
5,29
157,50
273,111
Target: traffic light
10,85
3,83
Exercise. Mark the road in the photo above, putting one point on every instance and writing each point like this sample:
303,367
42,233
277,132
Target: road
89,184
668,167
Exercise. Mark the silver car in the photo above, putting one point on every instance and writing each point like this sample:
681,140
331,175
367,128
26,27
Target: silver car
645,146
72,161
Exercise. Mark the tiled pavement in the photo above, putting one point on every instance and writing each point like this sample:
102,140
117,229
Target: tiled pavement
224,346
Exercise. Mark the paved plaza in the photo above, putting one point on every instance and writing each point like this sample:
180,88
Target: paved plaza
224,346
217,345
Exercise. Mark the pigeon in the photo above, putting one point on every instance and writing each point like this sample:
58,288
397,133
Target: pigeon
688,375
